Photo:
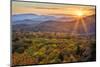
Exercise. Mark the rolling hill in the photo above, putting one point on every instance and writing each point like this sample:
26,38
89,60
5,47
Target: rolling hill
46,23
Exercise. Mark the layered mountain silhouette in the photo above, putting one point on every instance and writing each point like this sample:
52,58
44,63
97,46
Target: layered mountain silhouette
48,23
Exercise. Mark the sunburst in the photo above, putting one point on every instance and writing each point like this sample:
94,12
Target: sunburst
79,20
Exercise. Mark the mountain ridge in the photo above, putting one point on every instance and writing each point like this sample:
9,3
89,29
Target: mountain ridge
59,24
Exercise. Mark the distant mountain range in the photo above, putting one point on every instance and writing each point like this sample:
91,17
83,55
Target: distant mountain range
47,23
30,18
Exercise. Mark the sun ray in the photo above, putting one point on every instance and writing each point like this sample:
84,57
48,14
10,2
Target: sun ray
79,21
75,27
84,25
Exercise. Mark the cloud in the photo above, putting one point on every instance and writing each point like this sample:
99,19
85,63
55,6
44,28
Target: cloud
45,8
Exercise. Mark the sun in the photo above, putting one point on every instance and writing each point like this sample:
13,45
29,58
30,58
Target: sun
79,13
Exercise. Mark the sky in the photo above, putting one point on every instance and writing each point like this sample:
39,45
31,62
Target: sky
50,9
